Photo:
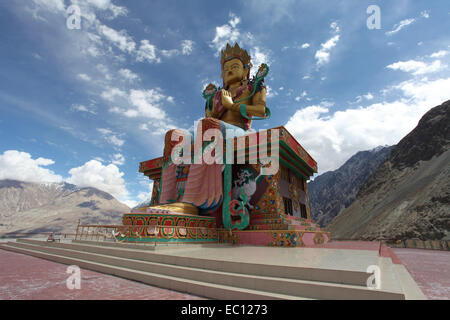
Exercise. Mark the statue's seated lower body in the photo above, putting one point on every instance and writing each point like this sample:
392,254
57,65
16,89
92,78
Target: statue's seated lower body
197,187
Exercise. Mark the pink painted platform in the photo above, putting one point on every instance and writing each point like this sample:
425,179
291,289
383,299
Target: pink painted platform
277,230
24,277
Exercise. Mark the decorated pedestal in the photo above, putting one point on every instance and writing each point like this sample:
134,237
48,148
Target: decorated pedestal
163,226
257,209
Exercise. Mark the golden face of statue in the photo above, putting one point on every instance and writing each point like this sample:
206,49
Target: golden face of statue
233,71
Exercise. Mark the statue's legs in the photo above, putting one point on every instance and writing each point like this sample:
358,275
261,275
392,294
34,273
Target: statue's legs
203,186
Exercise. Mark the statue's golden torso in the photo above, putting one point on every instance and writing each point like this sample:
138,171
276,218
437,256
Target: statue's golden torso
255,105
235,117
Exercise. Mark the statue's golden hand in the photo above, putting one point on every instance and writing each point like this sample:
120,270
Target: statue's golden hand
227,100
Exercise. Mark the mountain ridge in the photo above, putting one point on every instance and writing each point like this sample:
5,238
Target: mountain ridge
408,196
29,207
333,191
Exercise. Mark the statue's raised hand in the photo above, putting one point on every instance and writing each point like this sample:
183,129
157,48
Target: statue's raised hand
227,99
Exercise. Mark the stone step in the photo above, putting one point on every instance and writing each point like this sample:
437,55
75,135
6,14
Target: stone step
389,279
261,286
254,221
279,216
300,273
199,288
153,246
280,227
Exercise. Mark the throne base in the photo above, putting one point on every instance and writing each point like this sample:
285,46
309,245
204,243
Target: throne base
163,226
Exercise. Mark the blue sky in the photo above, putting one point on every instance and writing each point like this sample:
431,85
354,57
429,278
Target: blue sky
87,105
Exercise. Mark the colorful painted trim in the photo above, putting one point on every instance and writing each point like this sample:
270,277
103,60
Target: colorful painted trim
167,228
443,245
274,238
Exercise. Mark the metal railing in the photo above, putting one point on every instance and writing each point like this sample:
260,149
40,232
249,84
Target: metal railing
152,233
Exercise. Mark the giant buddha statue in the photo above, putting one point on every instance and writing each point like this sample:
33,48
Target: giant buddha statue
244,196
197,187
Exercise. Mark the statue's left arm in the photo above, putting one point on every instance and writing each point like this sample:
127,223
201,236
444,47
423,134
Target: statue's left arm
256,108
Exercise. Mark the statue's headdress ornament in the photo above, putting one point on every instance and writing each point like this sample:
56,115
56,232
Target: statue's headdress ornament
235,53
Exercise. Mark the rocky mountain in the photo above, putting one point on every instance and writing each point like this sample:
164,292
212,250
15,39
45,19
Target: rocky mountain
144,203
333,191
408,196
27,207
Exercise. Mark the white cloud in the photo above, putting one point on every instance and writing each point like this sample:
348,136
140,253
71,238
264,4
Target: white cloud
306,77
107,5
229,33
171,99
335,27
82,108
142,103
104,70
118,159
270,93
84,77
186,47
426,92
331,138
305,45
170,53
417,67
326,103
147,52
111,93
368,96
94,174
148,103
54,6
425,14
400,26
439,54
111,137
128,75
17,165
323,55
121,39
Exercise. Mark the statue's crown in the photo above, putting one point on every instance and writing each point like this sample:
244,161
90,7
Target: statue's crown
235,53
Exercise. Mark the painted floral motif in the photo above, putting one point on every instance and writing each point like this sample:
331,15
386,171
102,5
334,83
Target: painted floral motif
287,239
